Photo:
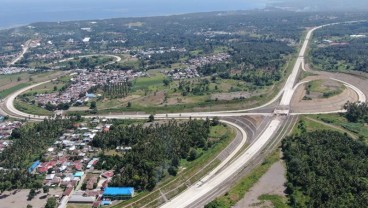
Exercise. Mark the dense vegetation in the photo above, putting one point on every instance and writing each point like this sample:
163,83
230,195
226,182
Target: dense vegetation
115,90
260,61
258,41
156,150
30,142
356,112
326,169
337,50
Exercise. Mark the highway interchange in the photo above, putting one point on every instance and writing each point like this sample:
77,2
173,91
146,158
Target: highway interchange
278,118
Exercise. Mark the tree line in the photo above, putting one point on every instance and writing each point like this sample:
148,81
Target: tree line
156,150
30,142
326,169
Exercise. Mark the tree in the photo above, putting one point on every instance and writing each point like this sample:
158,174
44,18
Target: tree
193,154
151,118
172,170
32,194
129,105
16,133
93,105
46,189
19,79
215,121
37,184
29,206
51,202
166,82
215,204
55,88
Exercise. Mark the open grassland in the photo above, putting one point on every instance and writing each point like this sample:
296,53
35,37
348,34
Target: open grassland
11,83
324,88
358,129
276,200
31,109
6,92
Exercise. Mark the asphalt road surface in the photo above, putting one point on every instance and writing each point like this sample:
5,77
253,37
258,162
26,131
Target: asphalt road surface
232,165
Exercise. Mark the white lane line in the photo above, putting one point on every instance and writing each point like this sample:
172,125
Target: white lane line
194,193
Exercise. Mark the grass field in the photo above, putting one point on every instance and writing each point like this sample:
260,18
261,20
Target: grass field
9,91
276,200
10,83
359,129
322,87
31,109
154,82
12,78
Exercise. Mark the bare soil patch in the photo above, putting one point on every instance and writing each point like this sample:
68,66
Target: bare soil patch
230,95
19,198
333,103
272,182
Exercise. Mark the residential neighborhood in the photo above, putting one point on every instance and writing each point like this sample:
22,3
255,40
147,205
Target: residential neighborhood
14,70
82,82
70,168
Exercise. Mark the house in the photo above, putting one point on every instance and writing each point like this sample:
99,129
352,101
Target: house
118,193
34,166
90,95
44,167
92,163
78,174
56,181
81,199
91,182
108,174
68,191
50,176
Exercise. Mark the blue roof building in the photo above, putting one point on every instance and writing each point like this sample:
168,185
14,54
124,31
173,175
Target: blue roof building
90,95
34,166
118,192
79,174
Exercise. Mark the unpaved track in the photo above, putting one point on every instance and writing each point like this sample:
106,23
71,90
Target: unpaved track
272,182
24,50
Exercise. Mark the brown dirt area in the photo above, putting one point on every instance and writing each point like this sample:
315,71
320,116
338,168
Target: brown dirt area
324,104
25,78
19,198
230,96
272,182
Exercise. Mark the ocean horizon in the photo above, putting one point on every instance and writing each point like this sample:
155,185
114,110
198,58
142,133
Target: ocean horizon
15,13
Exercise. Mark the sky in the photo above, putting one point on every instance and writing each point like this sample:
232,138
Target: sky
18,12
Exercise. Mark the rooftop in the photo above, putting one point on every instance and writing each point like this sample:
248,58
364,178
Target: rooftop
115,191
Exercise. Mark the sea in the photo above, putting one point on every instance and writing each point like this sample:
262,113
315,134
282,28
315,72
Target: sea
22,12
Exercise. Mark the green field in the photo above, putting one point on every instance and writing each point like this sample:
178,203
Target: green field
31,109
359,129
152,83
319,86
9,91
276,200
